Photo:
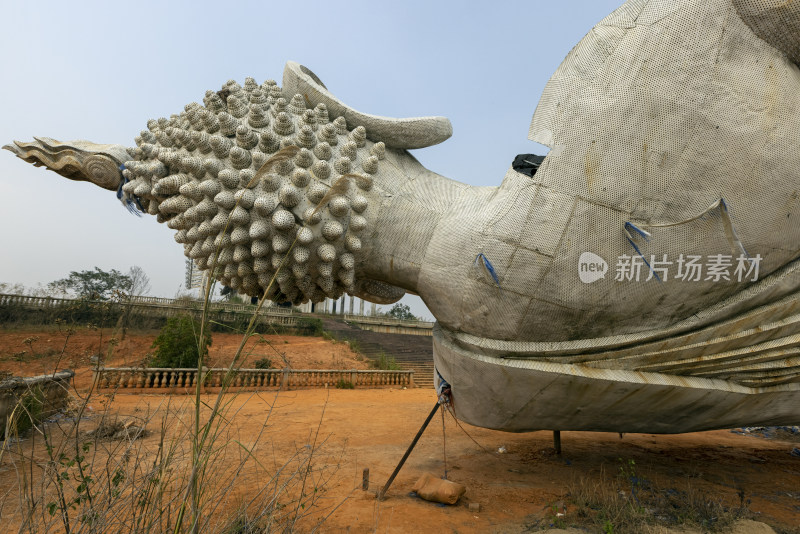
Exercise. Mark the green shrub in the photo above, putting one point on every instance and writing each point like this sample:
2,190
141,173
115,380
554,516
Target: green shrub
263,363
344,384
177,344
28,411
355,346
309,326
385,362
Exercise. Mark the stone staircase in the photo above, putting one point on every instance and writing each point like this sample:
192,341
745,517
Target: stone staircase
411,352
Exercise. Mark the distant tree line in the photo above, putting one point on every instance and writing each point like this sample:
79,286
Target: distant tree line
98,284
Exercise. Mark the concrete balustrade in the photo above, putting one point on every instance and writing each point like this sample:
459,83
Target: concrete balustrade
161,307
389,325
50,392
175,380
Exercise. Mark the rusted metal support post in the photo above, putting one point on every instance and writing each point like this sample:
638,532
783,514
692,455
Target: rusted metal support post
557,441
383,491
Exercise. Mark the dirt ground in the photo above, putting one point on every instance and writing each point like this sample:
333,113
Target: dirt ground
515,482
33,352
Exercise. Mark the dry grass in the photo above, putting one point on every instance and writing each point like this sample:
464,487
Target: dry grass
628,502
112,479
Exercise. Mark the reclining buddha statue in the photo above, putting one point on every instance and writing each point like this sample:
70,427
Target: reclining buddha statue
644,279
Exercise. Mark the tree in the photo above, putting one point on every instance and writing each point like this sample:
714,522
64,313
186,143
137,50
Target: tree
401,311
139,285
177,344
94,285
140,282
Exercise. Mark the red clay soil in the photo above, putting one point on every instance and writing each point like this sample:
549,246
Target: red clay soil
26,352
517,490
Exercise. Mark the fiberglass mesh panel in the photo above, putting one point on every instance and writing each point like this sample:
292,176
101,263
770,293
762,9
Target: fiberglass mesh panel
661,111
775,21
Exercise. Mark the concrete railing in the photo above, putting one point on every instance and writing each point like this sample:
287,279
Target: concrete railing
159,306
48,395
389,325
52,302
153,379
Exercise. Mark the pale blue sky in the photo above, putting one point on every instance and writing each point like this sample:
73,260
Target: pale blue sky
100,70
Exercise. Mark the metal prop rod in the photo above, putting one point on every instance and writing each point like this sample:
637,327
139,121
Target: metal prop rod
382,493
557,441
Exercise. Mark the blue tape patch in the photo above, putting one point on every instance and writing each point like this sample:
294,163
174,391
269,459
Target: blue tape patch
488,266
